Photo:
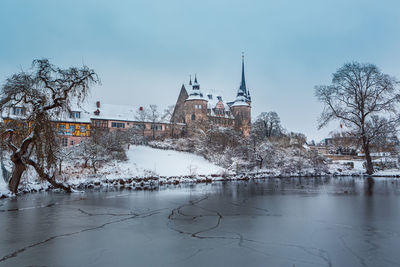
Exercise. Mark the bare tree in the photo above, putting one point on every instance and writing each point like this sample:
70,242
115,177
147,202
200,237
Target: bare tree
43,94
62,154
175,128
265,154
103,146
92,150
142,115
364,99
268,124
132,136
168,112
154,117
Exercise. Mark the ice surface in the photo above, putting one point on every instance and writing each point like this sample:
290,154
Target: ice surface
341,221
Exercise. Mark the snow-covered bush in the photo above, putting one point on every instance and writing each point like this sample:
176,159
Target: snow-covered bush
103,146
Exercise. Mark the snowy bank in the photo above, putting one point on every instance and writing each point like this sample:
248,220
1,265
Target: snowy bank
4,192
145,167
148,168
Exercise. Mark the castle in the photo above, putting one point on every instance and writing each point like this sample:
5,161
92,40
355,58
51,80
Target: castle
197,109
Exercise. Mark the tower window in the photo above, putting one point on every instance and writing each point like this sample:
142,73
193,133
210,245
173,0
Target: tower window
193,117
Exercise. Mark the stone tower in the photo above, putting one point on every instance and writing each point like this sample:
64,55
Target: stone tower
241,107
195,107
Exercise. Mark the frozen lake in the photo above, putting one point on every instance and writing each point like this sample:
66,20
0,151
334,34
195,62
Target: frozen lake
273,222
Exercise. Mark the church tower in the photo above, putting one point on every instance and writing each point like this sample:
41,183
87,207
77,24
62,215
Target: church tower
195,107
241,107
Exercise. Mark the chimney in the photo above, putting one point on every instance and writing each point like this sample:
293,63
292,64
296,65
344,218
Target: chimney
98,104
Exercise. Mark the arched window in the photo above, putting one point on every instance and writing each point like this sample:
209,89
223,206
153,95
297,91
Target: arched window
193,117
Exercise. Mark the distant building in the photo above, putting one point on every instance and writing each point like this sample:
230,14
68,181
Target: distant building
197,109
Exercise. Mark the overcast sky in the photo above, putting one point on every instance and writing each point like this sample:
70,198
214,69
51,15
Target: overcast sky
144,50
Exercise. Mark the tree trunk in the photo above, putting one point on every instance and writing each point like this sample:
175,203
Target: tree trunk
16,158
44,175
60,167
369,166
94,166
18,170
57,185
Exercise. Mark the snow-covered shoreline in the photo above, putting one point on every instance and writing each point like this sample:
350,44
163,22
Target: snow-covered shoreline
148,168
151,183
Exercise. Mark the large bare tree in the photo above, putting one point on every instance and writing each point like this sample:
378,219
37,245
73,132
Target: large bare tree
40,95
365,100
268,124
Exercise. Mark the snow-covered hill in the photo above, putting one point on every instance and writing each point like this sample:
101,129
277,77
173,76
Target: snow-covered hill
168,162
144,161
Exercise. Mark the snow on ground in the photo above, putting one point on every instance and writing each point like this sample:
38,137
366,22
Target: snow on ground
3,186
358,164
144,161
359,168
168,162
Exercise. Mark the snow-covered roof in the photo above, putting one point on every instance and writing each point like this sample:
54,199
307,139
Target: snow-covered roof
7,113
116,112
194,91
87,112
214,100
84,116
240,101
195,95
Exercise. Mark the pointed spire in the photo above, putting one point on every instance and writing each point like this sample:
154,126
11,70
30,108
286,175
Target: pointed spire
242,95
196,85
190,81
243,82
195,93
